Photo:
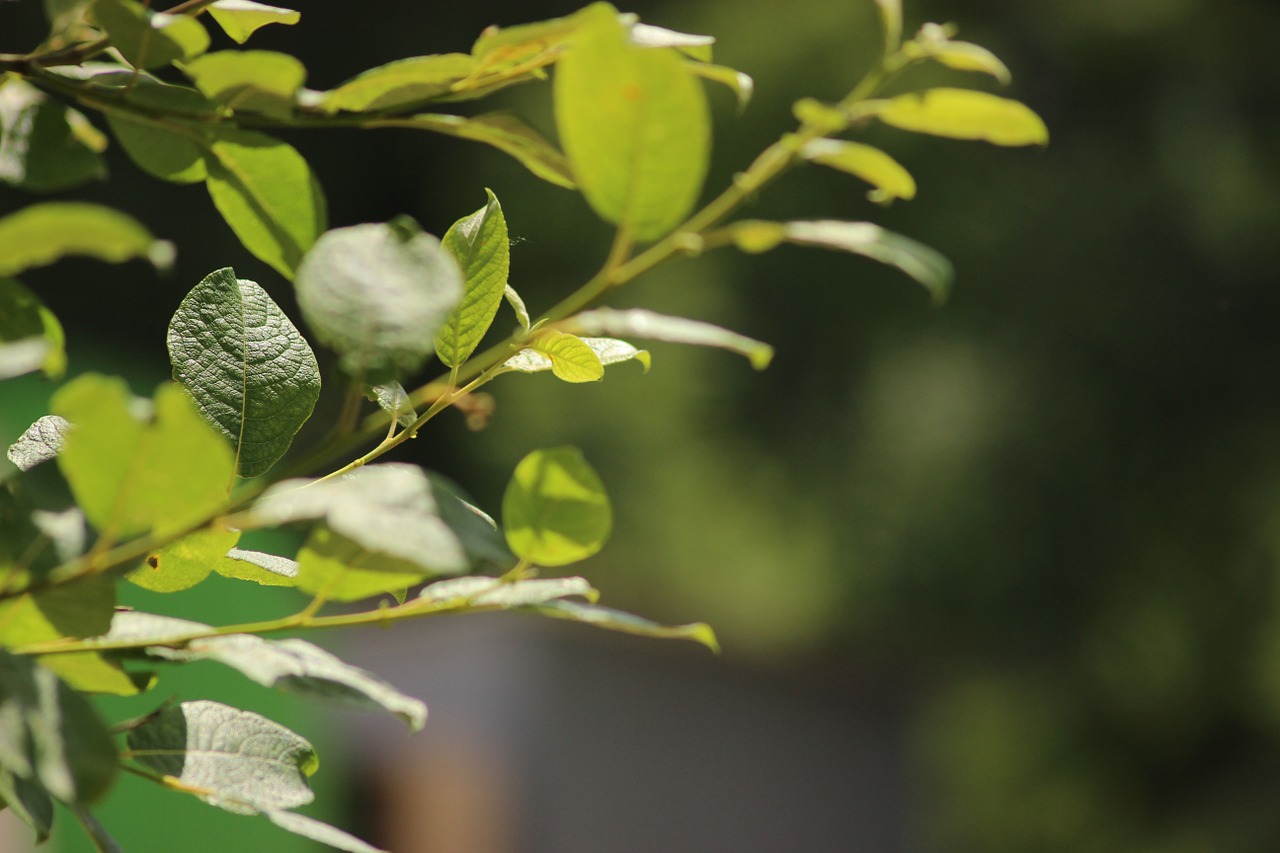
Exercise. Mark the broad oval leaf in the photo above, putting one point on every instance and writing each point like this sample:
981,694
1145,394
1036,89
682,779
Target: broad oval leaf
870,164
173,151
915,259
237,760
150,39
480,246
641,323
334,567
248,368
505,132
378,294
634,123
267,194
555,510
31,337
44,145
607,351
261,81
965,114
242,18
567,356
39,443
42,233
183,564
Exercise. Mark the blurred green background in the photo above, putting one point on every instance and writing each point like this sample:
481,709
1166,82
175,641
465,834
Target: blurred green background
1048,512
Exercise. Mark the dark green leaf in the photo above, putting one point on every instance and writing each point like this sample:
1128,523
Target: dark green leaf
248,368
40,443
475,529
504,132
44,145
29,801
31,337
378,295
241,18
555,509
616,620
43,233
260,81
639,323
149,39
172,151
479,244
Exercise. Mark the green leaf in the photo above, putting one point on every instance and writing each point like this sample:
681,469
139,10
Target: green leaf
826,118
400,84
267,194
915,259
569,357
378,294
309,827
333,567
301,667
388,509
130,476
870,164
29,801
394,400
44,145
50,735
241,18
479,244
607,351
186,562
965,114
489,593
260,81
149,39
263,569
475,529
172,152
555,509
42,233
647,35
742,86
136,88
90,672
634,123
505,132
236,760
248,368
639,323
31,337
40,443
517,305
934,42
616,620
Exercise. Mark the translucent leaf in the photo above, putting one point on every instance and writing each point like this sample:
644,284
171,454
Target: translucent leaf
29,801
174,152
870,164
915,259
505,132
185,563
401,84
480,246
50,735
934,42
965,114
517,305
640,323
647,35
263,569
555,509
569,357
607,351
394,400
261,81
248,368
89,672
309,827
634,124
131,476
301,667
339,569
40,443
236,760
42,233
241,18
31,337
522,44
741,84
378,294
616,620
480,592
149,39
44,145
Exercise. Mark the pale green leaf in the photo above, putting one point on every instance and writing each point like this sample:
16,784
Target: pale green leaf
131,476
915,259
89,672
825,118
934,42
479,244
490,593
517,305
742,86
263,569
260,81
555,509
149,39
505,132
45,146
607,351
241,18
183,564
870,164
248,368
634,123
499,47
754,236
173,151
378,294
616,620
309,827
267,194
39,443
640,323
237,760
569,357
965,114
31,337
401,84
335,568
42,233
394,400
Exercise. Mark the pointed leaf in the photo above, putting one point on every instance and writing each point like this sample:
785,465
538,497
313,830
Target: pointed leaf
742,86
149,39
567,356
378,294
505,132
965,114
26,325
607,351
261,81
647,35
640,323
934,42
394,400
555,509
40,443
173,152
517,305
248,368
634,124
44,145
43,233
336,568
241,18
870,164
400,84
487,593
915,259
616,620
263,569
309,827
480,246
183,564
236,760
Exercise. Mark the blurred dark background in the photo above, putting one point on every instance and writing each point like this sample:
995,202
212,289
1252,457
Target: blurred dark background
1026,544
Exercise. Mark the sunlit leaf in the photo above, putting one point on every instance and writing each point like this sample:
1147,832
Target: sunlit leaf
263,569
934,42
42,233
505,132
965,114
309,827
45,146
569,357
640,323
555,510
185,563
150,39
915,259
616,620
517,305
742,86
401,84
607,351
39,443
31,337
241,18
870,164
261,81
480,246
336,568
489,593
394,400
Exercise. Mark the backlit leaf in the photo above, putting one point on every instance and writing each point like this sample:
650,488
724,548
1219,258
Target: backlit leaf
400,84
616,620
517,305
965,114
185,563
555,510
248,368
934,42
31,337
915,259
506,133
336,568
45,146
640,323
742,86
870,164
150,39
263,569
261,81
569,357
42,233
607,351
39,443
394,400
241,18
480,246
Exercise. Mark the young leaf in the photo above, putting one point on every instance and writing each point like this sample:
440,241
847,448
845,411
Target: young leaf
267,194
555,509
870,164
237,760
337,568
263,569
309,827
394,400
248,368
480,246
616,620
185,563
639,323
31,337
129,476
965,114
506,133
42,233
607,351
517,305
567,356
915,259
378,294
149,39
261,81
40,443
934,42
400,84
634,123
44,145
241,18
742,86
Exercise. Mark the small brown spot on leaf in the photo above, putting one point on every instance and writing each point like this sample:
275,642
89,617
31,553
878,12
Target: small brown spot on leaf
153,561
